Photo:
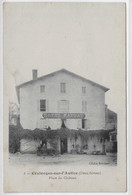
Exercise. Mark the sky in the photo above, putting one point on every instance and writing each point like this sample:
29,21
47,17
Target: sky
84,38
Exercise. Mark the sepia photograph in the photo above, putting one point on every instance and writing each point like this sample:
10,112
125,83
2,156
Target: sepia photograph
64,96
62,113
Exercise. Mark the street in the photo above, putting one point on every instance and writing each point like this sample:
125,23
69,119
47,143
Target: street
65,159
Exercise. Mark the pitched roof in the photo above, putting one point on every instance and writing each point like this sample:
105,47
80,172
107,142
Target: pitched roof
65,71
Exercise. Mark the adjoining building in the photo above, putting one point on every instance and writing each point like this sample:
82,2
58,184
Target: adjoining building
112,145
110,119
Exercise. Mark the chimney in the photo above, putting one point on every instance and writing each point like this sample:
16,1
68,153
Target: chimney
35,74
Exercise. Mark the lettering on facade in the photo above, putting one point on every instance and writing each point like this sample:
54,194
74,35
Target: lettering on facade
64,115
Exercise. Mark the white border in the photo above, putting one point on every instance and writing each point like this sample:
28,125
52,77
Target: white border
1,100
129,99
129,91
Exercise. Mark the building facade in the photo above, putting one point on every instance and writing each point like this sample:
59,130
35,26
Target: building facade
61,99
110,119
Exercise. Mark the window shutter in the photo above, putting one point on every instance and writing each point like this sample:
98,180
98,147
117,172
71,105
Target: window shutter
85,105
47,105
82,106
38,105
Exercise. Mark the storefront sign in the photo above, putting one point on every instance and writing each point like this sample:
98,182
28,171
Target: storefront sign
64,115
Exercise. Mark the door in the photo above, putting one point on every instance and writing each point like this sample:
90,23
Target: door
63,123
63,143
103,149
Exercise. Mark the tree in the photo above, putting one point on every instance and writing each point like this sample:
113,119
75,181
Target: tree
13,113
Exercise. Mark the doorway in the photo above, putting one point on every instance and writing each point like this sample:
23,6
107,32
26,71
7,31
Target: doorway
63,123
103,149
63,145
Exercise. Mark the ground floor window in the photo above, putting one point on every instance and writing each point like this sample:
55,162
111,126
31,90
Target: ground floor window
43,105
63,106
84,123
84,106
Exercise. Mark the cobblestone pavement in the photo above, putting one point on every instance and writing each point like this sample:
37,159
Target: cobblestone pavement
65,159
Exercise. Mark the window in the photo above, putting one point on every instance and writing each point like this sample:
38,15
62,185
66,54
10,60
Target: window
84,106
84,90
42,88
42,105
63,87
63,106
84,123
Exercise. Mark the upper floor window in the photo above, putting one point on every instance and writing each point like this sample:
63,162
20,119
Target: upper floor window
63,87
84,90
42,105
42,88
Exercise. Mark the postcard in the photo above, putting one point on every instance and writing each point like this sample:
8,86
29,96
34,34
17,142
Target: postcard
64,72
